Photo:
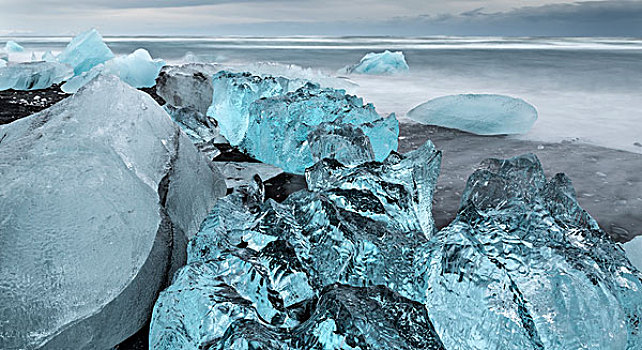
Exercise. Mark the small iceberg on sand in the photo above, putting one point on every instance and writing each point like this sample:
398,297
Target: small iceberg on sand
386,62
32,75
481,114
12,46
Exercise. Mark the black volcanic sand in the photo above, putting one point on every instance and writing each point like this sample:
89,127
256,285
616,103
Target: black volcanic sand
608,182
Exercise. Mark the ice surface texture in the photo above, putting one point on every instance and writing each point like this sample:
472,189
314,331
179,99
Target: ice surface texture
524,267
293,129
634,252
98,196
12,46
271,269
187,89
479,114
33,75
381,63
85,51
137,69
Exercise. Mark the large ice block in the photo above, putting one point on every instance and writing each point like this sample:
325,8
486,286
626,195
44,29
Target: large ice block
187,85
137,69
381,63
233,93
265,264
281,129
12,46
85,51
482,114
98,197
523,266
33,75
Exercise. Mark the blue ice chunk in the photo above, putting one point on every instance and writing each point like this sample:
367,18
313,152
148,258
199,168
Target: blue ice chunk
233,93
482,114
3,63
381,63
198,127
33,75
366,318
280,128
523,266
137,69
12,46
265,264
48,56
85,51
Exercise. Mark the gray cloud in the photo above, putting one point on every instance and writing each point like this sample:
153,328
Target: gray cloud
330,17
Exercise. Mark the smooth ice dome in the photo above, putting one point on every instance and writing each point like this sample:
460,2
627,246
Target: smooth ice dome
137,69
85,51
386,62
98,196
523,266
477,113
33,75
634,252
12,46
263,265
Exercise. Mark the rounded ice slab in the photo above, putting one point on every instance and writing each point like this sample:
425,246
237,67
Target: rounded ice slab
95,192
386,62
481,114
634,252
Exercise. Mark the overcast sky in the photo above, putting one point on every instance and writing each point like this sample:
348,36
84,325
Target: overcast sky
324,17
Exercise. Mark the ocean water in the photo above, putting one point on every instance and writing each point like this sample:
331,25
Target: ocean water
586,90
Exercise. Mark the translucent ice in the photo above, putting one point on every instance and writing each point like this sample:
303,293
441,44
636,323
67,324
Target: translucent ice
3,63
85,51
265,264
187,89
477,113
137,69
188,85
98,197
281,129
233,93
272,123
33,75
381,63
523,266
12,46
48,57
634,252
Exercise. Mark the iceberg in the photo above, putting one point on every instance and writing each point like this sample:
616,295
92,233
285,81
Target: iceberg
137,69
48,57
187,85
281,129
12,46
380,63
85,51
33,75
187,91
523,266
634,252
481,114
98,196
265,264
366,318
276,120
233,93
